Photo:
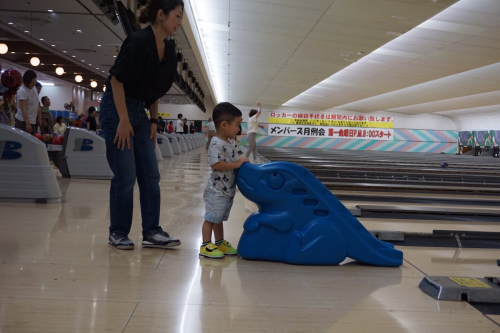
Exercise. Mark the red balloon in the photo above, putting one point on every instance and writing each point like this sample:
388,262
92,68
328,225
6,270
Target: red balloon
12,79
38,136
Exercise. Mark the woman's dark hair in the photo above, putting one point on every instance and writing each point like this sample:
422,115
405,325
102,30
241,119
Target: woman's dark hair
148,13
58,119
28,76
252,113
91,109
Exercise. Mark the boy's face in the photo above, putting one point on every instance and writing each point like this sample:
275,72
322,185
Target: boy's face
230,129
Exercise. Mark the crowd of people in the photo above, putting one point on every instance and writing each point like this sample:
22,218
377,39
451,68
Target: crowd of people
22,107
181,126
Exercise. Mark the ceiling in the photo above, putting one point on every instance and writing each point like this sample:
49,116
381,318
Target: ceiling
407,56
75,36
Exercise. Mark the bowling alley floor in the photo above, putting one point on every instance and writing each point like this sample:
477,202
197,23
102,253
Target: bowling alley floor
58,274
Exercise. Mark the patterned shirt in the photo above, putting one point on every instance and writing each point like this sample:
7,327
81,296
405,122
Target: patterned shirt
222,182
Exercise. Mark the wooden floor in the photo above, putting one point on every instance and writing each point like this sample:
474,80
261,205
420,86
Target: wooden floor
58,273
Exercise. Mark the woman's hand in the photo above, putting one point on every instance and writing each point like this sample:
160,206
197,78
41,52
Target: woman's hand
123,133
152,136
258,104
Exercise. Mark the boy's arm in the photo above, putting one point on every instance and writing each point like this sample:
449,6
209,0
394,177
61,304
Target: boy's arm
222,166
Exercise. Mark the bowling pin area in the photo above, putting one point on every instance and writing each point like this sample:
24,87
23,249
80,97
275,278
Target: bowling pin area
58,273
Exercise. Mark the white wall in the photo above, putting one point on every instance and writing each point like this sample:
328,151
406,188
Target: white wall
477,121
58,96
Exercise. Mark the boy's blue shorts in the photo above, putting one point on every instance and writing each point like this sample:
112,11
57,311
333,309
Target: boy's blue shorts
217,207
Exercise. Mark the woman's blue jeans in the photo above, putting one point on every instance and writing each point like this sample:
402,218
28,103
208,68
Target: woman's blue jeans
137,162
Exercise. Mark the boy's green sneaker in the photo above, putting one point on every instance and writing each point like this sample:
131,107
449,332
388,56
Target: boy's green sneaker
211,251
226,248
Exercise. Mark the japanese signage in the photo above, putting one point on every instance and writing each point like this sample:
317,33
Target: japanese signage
331,132
322,119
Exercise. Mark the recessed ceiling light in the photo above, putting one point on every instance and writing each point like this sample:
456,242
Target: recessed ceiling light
83,60
13,52
11,23
73,56
103,71
97,68
50,10
98,45
79,31
114,56
90,64
65,51
26,31
53,45
41,38
27,53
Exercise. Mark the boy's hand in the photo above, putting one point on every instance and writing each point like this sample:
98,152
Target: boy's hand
242,160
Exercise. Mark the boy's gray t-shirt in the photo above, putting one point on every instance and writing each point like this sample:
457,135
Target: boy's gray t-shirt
222,182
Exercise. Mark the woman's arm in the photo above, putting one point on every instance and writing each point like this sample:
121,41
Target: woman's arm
124,129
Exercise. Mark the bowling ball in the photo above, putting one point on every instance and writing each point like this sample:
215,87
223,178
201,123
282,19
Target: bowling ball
57,140
444,165
12,79
61,139
38,136
47,138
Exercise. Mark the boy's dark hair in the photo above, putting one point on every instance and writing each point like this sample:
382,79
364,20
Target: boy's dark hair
252,113
179,116
28,76
44,98
58,119
225,112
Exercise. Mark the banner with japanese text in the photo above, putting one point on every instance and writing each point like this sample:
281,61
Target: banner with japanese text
331,132
322,119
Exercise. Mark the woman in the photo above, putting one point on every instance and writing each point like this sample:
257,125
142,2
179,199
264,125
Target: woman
253,128
59,127
28,114
143,72
185,126
192,129
210,132
91,122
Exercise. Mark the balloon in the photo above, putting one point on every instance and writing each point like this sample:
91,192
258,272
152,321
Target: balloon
12,79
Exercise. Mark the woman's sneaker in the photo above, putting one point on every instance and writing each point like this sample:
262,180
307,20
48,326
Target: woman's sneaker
226,248
161,240
211,251
120,242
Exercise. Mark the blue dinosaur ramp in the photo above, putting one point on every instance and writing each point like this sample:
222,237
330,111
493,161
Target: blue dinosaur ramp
301,222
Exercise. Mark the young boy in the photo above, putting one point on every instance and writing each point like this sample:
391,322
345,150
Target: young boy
221,185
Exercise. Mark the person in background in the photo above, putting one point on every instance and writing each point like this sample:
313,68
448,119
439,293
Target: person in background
185,128
78,121
29,114
238,140
161,125
91,122
59,127
179,127
192,129
38,87
253,127
170,127
47,119
210,132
